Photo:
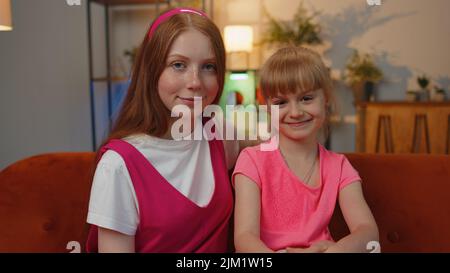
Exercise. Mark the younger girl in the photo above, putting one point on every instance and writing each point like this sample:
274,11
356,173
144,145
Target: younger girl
285,198
151,193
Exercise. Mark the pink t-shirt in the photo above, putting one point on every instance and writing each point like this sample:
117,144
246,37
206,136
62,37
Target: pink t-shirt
293,213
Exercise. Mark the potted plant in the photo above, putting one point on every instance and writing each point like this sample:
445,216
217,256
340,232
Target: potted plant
302,30
439,94
411,96
362,74
423,82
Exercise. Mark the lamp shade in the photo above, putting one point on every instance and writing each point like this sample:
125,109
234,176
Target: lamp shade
238,38
5,15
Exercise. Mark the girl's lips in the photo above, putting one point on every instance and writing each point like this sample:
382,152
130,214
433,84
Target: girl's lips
298,124
189,101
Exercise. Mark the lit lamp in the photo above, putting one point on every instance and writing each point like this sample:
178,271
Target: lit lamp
239,39
5,15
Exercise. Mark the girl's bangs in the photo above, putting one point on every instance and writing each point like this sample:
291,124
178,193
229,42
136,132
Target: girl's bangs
292,79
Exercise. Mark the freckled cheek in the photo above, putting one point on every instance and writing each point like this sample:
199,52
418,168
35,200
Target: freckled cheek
319,115
320,107
167,87
212,89
282,113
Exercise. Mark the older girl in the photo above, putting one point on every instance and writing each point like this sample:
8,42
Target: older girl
151,193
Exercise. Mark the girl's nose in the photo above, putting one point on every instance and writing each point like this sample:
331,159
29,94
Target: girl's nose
295,110
194,81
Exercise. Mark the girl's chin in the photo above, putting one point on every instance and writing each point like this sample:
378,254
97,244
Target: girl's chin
298,135
193,115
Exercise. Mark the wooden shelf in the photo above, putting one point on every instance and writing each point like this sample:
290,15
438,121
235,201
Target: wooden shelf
403,127
128,2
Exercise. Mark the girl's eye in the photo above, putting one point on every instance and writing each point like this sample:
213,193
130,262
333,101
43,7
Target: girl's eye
210,67
307,98
178,65
279,102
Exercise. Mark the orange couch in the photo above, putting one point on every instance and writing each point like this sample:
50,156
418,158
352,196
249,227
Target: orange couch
44,201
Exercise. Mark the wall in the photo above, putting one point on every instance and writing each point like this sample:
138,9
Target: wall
407,37
44,81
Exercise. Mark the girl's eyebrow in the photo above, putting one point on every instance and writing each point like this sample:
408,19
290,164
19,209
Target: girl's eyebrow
304,93
177,55
300,94
212,59
312,90
279,98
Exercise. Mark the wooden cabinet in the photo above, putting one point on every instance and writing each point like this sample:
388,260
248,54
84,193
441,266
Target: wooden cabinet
403,127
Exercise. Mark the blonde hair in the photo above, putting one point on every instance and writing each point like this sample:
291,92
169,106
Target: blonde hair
292,69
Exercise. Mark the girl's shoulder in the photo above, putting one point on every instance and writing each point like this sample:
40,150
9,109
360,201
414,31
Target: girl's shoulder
149,142
259,154
333,160
112,161
118,151
259,150
139,139
329,154
111,157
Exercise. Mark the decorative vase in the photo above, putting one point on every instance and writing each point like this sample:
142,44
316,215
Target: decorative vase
439,97
369,91
363,92
424,95
411,96
358,89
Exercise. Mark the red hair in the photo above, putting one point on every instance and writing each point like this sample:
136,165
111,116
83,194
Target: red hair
142,110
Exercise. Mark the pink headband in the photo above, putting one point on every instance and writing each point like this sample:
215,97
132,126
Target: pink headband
163,17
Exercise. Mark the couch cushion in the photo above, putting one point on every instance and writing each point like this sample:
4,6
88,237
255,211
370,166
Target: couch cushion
409,196
43,202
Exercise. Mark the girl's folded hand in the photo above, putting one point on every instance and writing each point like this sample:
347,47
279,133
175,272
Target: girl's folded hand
317,247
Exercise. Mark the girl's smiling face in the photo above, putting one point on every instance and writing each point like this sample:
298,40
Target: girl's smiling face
301,114
190,72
